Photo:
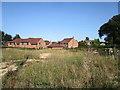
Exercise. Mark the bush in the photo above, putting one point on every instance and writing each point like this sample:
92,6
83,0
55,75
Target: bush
67,69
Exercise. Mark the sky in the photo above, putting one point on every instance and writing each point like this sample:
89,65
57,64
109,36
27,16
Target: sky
55,21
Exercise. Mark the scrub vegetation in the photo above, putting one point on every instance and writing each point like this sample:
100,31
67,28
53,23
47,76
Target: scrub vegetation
62,69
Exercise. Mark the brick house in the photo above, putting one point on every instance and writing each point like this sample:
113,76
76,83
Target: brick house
48,43
55,46
37,43
69,43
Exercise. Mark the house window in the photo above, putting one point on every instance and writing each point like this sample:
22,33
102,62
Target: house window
22,43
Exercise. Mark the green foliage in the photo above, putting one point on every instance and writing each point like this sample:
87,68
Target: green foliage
96,42
81,44
13,54
64,69
7,37
87,38
101,51
46,40
4,37
17,36
111,30
19,63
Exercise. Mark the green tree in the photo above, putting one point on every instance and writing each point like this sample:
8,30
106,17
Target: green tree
96,42
87,38
81,44
17,36
7,37
111,31
4,37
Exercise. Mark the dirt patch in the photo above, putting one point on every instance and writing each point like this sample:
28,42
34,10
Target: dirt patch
5,67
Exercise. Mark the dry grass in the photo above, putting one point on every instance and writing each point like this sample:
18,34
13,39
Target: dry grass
11,54
64,68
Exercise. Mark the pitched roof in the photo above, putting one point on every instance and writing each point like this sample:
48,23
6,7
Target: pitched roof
66,40
47,42
31,40
55,45
15,41
34,40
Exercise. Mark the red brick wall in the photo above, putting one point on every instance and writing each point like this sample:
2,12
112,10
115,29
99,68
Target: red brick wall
40,44
73,43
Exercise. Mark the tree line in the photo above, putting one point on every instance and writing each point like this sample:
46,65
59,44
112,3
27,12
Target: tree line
4,37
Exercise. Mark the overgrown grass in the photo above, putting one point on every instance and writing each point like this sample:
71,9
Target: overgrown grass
64,68
12,54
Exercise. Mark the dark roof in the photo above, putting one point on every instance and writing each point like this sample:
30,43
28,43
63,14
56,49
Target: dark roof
66,40
55,45
31,40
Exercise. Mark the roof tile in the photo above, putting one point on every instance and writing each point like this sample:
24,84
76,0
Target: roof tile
31,40
66,40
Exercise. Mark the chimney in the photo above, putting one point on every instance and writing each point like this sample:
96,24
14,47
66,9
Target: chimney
73,37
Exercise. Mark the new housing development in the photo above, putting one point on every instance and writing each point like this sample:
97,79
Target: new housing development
39,43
